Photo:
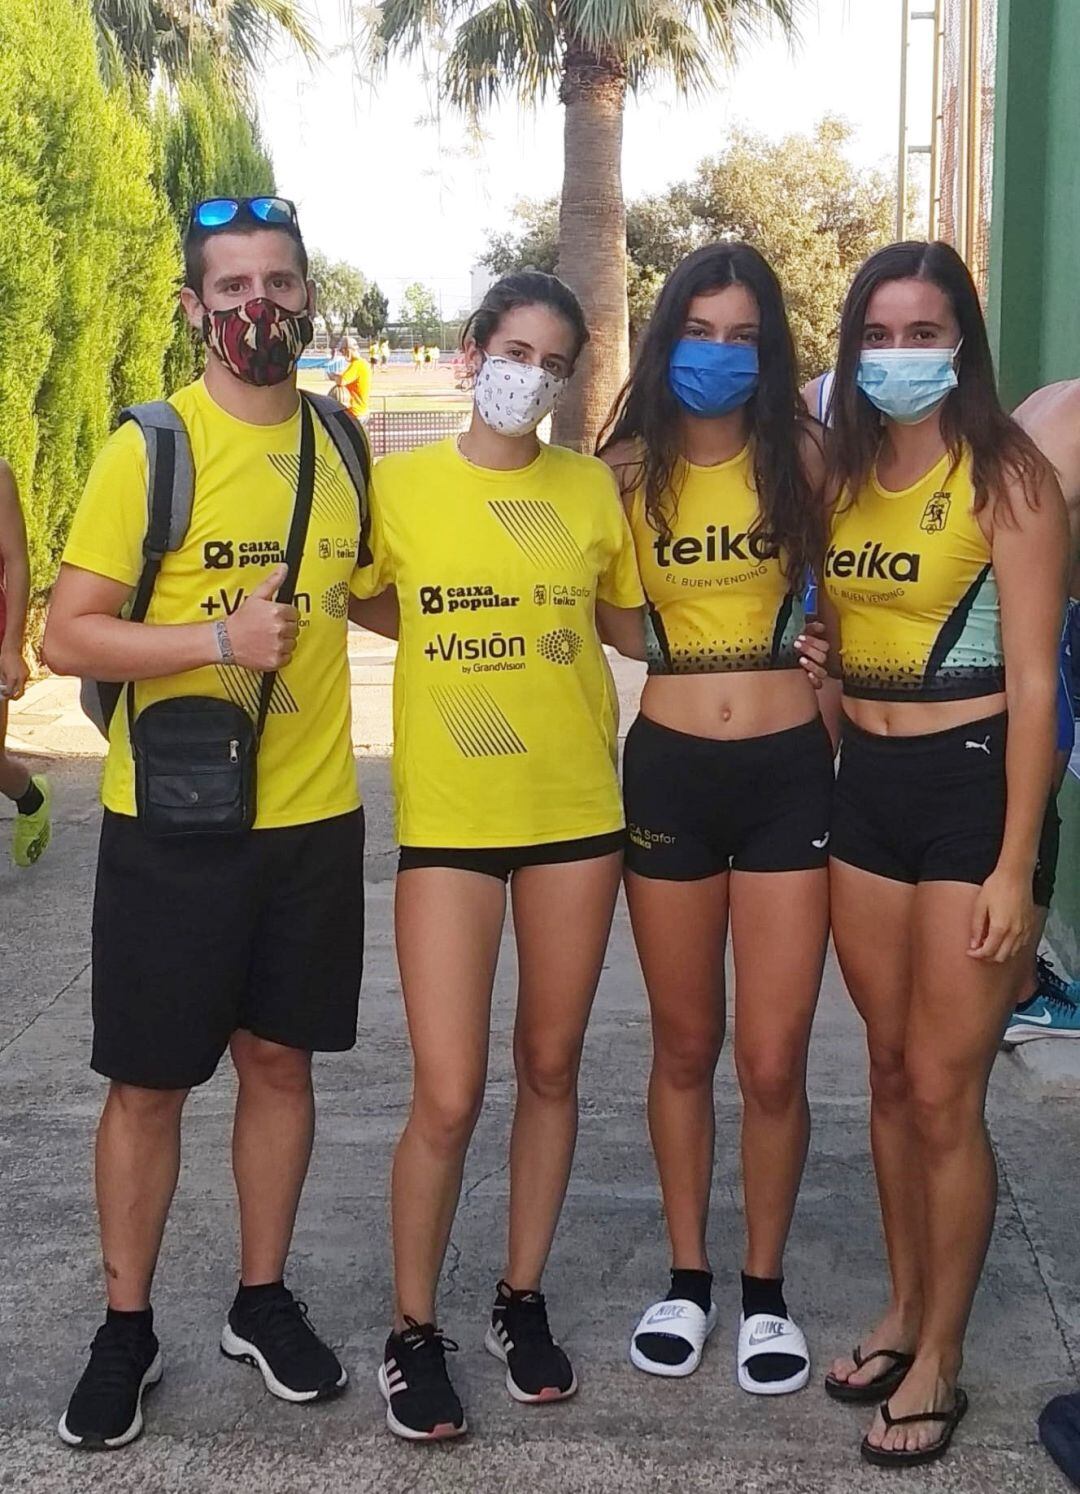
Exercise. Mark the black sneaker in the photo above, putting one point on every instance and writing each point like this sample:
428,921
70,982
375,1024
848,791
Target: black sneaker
275,1336
421,1403
106,1409
536,1368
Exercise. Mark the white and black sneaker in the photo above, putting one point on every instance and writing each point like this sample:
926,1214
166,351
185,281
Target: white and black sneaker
421,1403
105,1410
269,1329
537,1369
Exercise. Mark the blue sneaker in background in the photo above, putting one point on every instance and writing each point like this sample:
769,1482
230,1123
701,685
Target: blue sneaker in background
1053,1011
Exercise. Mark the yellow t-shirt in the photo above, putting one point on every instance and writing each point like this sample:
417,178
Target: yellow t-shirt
505,713
357,380
245,490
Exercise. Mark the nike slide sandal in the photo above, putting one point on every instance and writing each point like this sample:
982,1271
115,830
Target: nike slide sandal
762,1334
677,1319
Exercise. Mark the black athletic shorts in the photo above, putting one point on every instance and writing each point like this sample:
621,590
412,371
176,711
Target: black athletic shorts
196,938
931,808
501,861
696,806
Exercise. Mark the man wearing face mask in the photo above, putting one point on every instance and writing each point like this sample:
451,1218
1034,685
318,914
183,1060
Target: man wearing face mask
252,941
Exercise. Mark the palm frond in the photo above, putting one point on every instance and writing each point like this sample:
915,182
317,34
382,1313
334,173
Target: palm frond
610,27
404,26
724,27
673,50
263,22
730,26
508,44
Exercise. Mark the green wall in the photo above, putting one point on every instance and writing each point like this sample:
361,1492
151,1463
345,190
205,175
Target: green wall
1035,223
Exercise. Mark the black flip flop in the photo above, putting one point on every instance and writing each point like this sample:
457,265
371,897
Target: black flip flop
949,1420
880,1387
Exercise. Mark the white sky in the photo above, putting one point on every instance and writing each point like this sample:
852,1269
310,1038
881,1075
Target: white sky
405,200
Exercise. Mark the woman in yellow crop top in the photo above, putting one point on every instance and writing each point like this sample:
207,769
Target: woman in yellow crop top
504,553
727,779
945,572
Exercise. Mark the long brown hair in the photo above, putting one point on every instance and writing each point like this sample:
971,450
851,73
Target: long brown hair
647,414
972,415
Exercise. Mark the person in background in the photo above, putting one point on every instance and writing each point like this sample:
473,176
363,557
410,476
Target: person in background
384,352
29,792
373,354
355,378
1049,1007
417,357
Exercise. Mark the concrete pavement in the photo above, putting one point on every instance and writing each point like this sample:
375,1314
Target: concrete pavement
212,1427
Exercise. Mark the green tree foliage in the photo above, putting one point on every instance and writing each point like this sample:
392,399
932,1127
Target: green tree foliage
208,146
800,201
372,313
420,310
340,289
88,258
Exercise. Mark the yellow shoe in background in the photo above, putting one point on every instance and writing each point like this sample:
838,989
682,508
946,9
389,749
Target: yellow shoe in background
33,831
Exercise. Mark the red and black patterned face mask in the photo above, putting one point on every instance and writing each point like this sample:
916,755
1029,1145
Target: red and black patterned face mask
260,341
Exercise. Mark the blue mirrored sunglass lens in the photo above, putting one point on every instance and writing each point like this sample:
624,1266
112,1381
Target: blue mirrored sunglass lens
217,211
271,209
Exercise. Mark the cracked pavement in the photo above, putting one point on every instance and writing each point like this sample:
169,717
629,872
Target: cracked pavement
213,1430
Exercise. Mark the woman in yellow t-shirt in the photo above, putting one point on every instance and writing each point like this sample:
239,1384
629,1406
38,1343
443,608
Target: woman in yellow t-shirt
728,778
945,575
505,554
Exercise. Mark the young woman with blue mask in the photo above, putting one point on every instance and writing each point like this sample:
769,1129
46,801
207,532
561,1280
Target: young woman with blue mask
727,779
945,573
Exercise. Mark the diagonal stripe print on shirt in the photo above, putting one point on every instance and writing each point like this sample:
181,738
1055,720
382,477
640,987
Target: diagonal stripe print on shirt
474,720
537,529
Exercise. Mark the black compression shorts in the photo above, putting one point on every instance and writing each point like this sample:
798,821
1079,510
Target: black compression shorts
502,861
696,807
931,808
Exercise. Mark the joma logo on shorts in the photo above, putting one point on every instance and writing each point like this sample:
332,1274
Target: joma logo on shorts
873,562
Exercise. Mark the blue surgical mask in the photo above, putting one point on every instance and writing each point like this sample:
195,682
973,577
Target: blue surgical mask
712,378
907,384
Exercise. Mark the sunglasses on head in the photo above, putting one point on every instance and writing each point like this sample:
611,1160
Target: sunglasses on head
219,212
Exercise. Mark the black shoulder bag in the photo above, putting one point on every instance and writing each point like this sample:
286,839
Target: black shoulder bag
196,757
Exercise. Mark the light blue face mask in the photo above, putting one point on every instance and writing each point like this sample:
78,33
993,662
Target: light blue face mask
712,378
907,384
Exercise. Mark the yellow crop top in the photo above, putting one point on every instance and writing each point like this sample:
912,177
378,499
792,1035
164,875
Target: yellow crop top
912,580
718,603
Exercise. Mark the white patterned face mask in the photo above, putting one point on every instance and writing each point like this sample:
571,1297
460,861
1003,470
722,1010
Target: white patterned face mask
513,398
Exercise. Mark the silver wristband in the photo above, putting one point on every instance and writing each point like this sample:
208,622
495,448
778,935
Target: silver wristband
224,643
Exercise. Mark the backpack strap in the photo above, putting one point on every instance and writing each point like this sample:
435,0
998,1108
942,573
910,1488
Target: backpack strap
170,492
351,442
170,489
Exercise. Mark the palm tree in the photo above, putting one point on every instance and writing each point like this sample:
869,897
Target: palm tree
593,52
138,37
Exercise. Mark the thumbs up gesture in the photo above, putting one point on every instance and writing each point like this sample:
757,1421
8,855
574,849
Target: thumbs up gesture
263,632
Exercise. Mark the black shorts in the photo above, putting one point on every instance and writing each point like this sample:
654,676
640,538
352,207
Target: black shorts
196,938
501,861
696,806
931,808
